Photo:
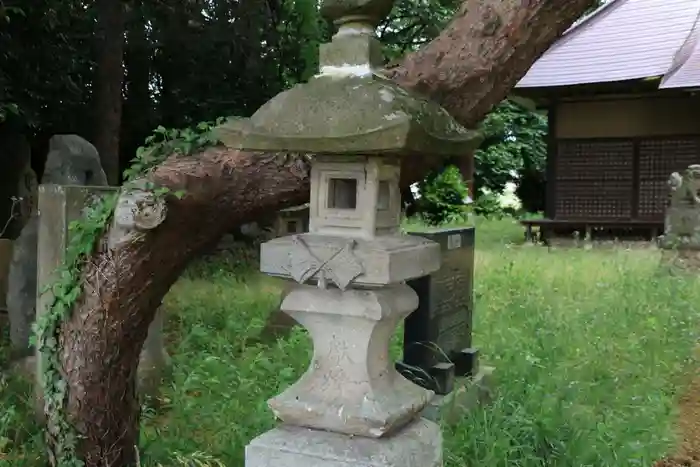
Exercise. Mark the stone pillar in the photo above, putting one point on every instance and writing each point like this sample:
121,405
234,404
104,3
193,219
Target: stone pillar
59,205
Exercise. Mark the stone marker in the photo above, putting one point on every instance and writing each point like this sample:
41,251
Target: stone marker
71,161
438,352
438,336
15,203
681,240
351,407
21,279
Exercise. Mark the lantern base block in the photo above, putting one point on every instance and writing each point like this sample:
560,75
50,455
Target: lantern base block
419,444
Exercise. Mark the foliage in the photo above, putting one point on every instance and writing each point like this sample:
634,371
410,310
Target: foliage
164,143
413,24
184,61
514,148
301,19
588,347
42,71
84,238
442,196
488,205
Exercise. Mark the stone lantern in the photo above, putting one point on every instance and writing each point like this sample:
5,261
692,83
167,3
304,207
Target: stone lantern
351,407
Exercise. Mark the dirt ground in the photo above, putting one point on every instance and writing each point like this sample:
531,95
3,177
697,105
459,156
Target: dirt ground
689,425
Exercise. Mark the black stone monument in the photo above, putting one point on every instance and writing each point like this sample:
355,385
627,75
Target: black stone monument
438,335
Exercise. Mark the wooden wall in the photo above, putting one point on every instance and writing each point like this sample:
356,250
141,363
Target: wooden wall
630,117
610,159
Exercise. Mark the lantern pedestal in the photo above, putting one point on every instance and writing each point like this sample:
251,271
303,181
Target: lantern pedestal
351,386
417,445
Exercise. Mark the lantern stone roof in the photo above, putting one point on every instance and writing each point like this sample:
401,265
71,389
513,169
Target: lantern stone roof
341,112
349,108
625,40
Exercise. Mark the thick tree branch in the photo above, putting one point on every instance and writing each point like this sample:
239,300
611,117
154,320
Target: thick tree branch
487,47
469,69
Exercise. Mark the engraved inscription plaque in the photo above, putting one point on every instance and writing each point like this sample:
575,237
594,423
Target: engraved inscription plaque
438,335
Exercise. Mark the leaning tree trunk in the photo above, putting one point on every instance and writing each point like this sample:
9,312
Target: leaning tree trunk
470,68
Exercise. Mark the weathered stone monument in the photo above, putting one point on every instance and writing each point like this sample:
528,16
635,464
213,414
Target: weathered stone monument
681,240
71,161
17,187
437,348
21,285
351,407
438,335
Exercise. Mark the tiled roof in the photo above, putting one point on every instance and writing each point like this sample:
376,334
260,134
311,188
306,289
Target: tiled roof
624,40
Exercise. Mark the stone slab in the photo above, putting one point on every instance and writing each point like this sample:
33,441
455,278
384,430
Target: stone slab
469,392
439,332
417,445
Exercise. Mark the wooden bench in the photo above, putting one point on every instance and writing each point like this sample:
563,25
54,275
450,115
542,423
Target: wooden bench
546,226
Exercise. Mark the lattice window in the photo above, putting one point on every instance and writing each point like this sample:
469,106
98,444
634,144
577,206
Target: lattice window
658,158
594,179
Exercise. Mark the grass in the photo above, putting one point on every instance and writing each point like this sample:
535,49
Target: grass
591,349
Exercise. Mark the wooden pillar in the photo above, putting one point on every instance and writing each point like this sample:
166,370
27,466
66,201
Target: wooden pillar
636,180
551,170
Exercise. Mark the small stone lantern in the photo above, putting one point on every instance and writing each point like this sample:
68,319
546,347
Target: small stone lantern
351,407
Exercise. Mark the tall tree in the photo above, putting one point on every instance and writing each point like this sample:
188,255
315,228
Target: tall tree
138,108
111,19
469,68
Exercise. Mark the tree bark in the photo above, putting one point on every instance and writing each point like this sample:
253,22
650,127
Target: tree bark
470,68
111,17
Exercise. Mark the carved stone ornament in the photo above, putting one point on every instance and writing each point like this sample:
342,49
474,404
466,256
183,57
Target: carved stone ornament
341,266
684,188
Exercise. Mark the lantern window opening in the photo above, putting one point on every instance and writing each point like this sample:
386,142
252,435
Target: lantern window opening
342,193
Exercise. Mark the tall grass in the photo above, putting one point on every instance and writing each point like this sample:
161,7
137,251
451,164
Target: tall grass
590,349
